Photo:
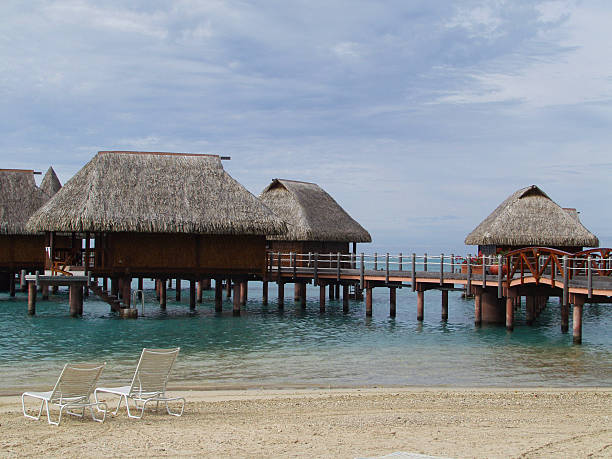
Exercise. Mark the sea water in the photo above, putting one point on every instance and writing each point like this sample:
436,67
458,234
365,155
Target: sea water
291,348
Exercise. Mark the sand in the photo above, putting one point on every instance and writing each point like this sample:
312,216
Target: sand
336,423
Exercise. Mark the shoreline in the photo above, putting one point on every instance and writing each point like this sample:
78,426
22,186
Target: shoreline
358,422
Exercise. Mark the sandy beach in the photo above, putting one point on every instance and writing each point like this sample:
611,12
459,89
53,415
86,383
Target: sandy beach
341,423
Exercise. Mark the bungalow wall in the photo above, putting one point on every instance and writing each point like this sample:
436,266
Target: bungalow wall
22,252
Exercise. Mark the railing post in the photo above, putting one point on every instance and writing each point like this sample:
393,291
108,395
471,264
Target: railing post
292,263
362,271
401,260
309,259
469,274
387,268
316,268
278,261
452,270
590,277
441,269
338,276
414,272
484,272
375,261
425,262
565,281
500,268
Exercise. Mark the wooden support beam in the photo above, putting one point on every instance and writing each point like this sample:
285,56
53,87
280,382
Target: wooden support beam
115,286
162,294
31,298
337,291
420,305
265,293
218,294
345,298
369,301
321,297
281,294
105,284
170,283
392,301
192,294
444,305
157,289
178,290
237,288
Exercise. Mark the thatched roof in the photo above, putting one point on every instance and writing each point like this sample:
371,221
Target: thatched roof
530,218
310,213
155,193
50,183
19,199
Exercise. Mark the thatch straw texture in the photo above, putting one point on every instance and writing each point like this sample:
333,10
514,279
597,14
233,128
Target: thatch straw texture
50,183
530,218
310,213
19,199
155,193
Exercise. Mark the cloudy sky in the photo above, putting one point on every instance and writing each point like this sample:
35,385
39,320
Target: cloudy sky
419,117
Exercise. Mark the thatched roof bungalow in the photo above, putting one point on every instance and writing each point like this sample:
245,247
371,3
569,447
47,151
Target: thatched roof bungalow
530,218
50,183
315,221
160,213
20,248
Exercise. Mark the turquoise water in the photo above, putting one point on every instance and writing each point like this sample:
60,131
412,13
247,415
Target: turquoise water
268,348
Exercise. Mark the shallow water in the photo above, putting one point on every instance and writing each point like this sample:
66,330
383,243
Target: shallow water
265,347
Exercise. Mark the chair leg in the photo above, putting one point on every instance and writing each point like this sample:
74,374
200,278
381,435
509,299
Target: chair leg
29,415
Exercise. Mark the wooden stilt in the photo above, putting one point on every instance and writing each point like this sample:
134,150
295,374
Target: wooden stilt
170,283
244,292
218,294
332,292
105,284
444,305
45,292
54,289
392,301
114,287
297,290
530,309
31,298
120,288
420,305
199,291
321,297
178,290
140,287
509,313
345,298
577,318
12,284
369,301
477,307
75,299
157,289
281,294
162,294
265,293
192,294
126,285
23,285
228,288
303,295
237,289
337,291
564,317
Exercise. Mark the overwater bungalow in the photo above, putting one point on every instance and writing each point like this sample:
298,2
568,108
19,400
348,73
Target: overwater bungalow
160,215
530,218
20,248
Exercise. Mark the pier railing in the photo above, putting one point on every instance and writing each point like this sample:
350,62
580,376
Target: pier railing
530,263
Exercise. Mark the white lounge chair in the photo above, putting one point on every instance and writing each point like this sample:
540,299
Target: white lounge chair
71,391
148,384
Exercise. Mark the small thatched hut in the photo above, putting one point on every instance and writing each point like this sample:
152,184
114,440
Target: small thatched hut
530,218
50,183
19,199
315,221
155,214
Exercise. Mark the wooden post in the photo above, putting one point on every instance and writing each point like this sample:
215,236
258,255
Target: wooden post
321,297
509,312
345,298
564,318
192,294
75,299
45,291
244,288
178,290
392,301
530,309
105,284
31,298
413,274
281,294
114,287
577,318
228,288
477,306
199,289
331,292
441,269
303,295
444,305
425,262
54,289
369,301
589,277
420,305
23,285
162,293
237,289
140,287
265,293
12,284
127,291
170,283
218,294
158,288
296,291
